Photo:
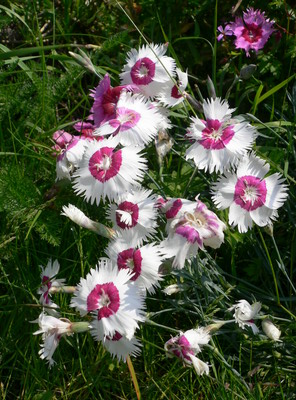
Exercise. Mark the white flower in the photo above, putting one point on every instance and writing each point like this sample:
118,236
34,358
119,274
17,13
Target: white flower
220,141
135,213
48,280
191,227
245,313
115,302
134,123
121,347
52,330
148,68
173,94
186,345
143,262
249,195
108,171
271,330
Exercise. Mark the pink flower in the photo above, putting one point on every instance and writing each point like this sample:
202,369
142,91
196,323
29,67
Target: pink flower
250,196
223,32
252,31
105,100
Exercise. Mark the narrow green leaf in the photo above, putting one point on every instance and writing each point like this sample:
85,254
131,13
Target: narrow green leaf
275,89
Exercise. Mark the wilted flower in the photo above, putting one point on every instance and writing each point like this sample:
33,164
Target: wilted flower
116,303
70,150
148,68
186,345
48,281
252,31
249,196
245,313
52,330
108,171
193,227
219,141
270,330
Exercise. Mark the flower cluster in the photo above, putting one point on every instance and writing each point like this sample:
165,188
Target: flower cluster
106,162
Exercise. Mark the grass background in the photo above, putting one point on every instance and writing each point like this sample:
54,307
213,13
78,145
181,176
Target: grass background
43,89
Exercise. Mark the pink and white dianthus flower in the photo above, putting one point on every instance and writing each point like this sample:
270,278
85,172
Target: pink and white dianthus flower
252,31
134,123
194,227
219,140
119,346
107,170
70,150
173,93
148,68
186,345
48,280
52,330
105,100
142,261
135,212
245,313
116,303
250,196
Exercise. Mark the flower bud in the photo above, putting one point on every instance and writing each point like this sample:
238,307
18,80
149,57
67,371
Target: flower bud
171,289
271,330
247,71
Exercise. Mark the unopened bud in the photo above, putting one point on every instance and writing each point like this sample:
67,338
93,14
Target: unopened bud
271,330
84,61
171,289
211,88
163,144
247,71
269,229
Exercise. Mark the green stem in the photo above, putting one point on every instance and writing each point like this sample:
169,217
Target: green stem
134,377
271,266
215,44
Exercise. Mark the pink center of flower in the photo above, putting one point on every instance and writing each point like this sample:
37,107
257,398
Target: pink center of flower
143,71
175,92
125,119
131,259
117,336
252,33
250,192
104,298
215,136
127,215
105,163
174,209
